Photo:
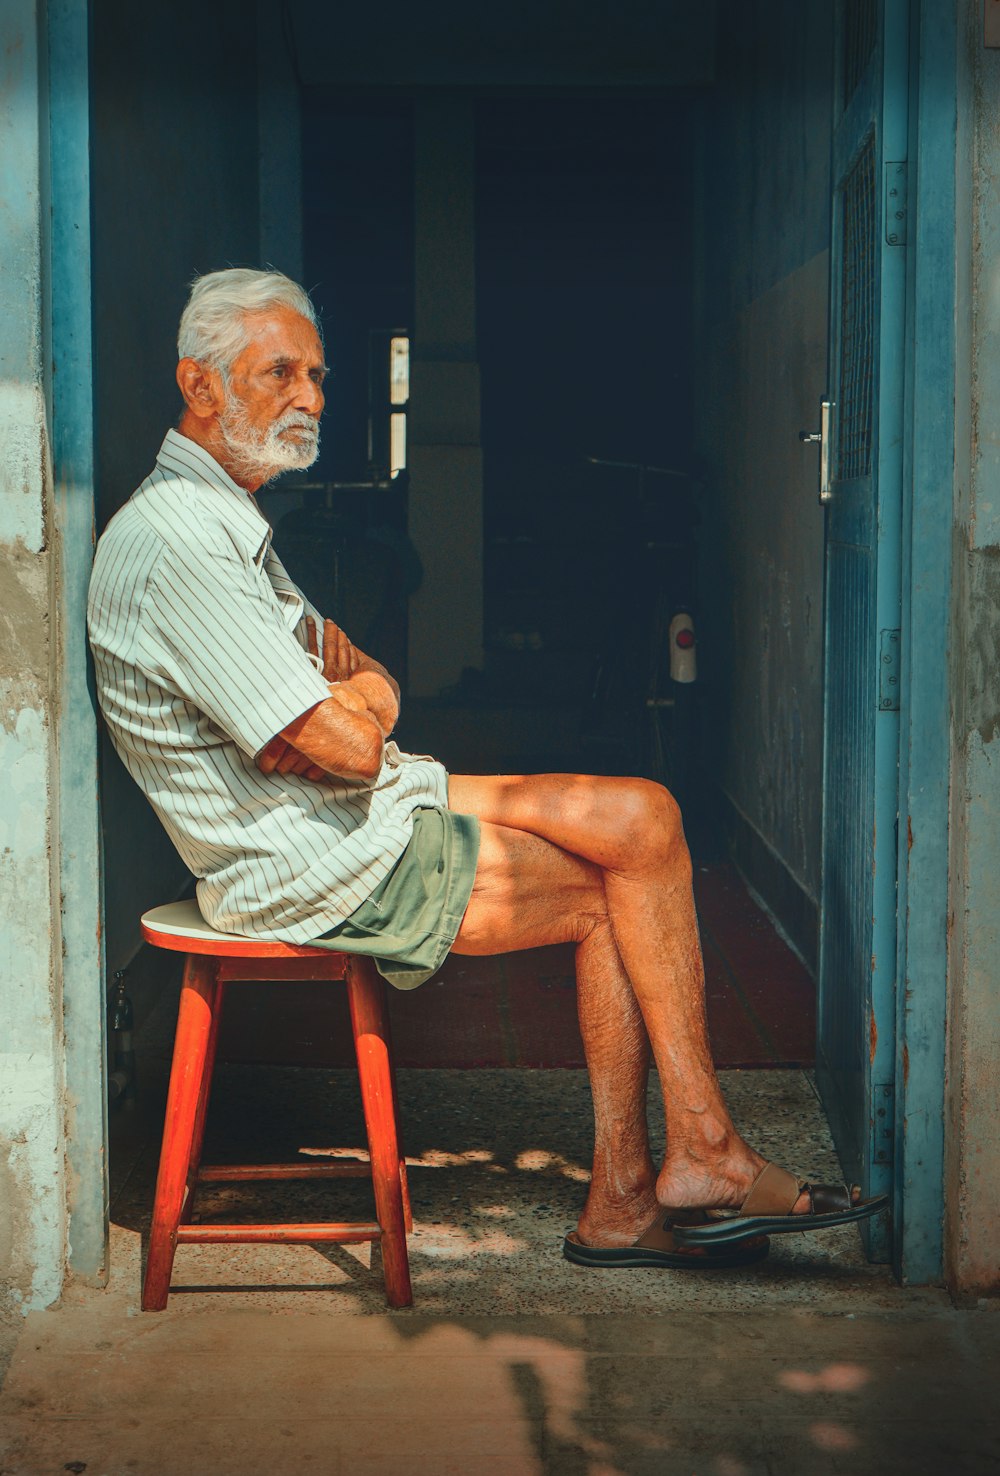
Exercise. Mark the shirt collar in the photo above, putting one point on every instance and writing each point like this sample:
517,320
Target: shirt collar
236,506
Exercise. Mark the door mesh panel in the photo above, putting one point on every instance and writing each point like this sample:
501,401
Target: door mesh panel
857,309
860,25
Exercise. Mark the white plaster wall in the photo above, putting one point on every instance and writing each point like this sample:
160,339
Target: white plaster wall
32,1175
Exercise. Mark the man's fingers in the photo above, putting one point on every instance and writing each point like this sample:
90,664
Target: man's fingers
348,697
284,758
346,654
312,637
341,654
335,657
267,759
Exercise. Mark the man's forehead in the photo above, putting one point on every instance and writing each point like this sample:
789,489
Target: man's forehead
283,334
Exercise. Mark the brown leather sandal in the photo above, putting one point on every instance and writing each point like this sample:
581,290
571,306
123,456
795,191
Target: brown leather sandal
767,1210
657,1246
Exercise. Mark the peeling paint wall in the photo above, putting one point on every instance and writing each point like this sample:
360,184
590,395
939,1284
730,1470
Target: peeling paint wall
972,1108
763,229
32,1173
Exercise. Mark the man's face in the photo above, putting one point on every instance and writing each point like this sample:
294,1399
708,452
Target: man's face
274,397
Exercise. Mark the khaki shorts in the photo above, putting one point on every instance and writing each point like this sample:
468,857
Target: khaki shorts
409,922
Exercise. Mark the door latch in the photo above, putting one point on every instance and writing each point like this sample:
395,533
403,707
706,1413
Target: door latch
888,671
896,195
823,438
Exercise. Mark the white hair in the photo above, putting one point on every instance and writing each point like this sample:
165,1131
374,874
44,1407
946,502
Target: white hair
213,326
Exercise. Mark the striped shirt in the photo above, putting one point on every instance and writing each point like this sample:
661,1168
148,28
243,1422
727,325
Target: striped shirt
200,642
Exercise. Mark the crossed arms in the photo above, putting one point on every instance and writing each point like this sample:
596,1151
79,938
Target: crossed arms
345,735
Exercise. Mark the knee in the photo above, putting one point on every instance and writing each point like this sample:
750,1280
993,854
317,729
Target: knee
652,829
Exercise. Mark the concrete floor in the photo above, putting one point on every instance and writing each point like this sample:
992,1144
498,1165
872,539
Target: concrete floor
512,1362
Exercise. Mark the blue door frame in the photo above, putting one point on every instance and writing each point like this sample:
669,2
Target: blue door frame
935,288
934,305
856,1054
67,324
929,460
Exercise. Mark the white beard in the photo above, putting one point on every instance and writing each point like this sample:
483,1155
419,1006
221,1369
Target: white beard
259,453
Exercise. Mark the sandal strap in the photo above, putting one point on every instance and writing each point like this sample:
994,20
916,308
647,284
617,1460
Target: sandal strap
830,1199
773,1192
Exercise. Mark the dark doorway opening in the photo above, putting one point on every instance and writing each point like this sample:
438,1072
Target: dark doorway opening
584,271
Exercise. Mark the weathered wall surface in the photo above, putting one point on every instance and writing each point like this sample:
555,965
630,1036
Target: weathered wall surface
32,1178
972,1163
175,192
763,221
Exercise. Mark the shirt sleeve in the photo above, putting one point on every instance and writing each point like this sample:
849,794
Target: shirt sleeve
214,633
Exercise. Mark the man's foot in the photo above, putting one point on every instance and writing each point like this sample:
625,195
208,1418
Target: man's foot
772,1207
715,1175
616,1221
721,1179
658,1246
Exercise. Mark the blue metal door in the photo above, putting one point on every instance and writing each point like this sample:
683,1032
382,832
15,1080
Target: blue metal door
862,489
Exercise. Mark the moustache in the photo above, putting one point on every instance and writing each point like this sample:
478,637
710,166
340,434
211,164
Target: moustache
297,420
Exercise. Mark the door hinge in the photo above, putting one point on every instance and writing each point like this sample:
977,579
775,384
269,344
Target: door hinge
888,671
896,195
884,1103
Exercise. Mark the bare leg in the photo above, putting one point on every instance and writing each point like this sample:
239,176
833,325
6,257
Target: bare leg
621,1201
631,830
529,893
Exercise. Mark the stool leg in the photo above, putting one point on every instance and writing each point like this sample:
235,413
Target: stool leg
199,993
366,994
403,1176
198,1137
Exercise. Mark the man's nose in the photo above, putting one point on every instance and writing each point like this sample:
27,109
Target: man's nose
308,396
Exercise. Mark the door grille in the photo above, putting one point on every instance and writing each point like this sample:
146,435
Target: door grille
857,309
860,27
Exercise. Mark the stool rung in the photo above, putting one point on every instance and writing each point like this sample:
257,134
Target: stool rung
227,1173
279,1234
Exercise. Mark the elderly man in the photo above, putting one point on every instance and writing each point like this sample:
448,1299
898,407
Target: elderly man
260,734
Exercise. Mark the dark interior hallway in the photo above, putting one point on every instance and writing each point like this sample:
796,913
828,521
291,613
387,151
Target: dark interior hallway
519,1010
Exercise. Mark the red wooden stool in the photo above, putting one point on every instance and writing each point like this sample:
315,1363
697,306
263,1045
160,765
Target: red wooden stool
215,960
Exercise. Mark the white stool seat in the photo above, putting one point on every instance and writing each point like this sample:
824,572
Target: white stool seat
180,928
182,919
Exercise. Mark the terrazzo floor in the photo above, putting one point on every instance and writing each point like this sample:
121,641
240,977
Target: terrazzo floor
283,1360
512,1362
498,1163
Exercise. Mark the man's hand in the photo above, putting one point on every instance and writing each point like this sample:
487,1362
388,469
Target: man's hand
344,662
348,696
378,696
281,756
341,658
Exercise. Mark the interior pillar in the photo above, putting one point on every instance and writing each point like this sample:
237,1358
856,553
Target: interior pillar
444,455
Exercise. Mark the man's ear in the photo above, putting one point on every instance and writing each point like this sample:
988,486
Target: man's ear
201,387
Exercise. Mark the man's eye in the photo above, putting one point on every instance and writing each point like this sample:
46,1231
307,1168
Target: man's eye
280,371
